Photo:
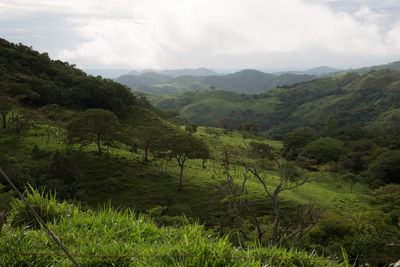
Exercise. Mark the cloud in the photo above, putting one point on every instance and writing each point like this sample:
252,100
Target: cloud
191,33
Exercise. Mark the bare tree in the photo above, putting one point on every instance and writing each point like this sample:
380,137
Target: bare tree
273,194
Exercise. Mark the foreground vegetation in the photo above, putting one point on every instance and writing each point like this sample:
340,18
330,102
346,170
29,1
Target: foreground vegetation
123,238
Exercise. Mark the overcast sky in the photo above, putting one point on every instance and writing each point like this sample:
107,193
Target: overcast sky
218,34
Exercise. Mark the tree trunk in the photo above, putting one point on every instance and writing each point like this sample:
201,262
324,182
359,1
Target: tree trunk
4,121
166,166
146,149
181,178
276,220
99,144
48,134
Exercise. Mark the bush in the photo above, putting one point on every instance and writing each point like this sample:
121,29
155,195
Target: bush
324,150
386,167
45,205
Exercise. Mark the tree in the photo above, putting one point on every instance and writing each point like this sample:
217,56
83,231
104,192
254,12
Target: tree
149,137
191,127
52,112
261,150
324,150
386,167
297,139
352,179
94,126
273,194
224,122
183,146
6,105
330,129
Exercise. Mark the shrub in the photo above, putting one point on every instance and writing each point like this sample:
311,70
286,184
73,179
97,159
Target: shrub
45,204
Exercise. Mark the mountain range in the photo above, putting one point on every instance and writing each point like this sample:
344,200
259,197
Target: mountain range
247,81
352,98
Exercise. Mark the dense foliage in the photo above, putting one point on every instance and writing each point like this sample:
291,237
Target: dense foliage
36,80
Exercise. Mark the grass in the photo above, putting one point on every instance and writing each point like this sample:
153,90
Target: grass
127,181
123,238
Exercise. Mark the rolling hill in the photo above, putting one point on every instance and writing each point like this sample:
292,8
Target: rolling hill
243,82
350,98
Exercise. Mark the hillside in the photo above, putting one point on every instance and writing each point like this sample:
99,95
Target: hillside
245,81
392,66
349,98
36,80
322,70
92,141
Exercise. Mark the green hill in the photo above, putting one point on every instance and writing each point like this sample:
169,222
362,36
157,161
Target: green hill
36,80
350,98
245,81
393,66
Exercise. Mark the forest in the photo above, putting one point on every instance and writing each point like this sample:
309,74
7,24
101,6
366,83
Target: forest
306,174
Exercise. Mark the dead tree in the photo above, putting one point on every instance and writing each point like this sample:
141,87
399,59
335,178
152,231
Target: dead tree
238,197
273,194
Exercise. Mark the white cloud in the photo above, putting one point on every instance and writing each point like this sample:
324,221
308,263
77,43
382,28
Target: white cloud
180,33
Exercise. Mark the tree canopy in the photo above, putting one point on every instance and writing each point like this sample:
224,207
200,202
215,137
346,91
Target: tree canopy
94,126
183,146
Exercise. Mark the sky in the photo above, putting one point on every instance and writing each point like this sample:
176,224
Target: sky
217,34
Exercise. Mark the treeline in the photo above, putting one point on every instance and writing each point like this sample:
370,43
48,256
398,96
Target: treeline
372,154
33,79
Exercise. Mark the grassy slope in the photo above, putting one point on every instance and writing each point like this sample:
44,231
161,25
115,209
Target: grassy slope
124,178
122,238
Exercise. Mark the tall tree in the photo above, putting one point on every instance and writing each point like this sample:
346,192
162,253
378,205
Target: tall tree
52,113
94,126
6,105
183,146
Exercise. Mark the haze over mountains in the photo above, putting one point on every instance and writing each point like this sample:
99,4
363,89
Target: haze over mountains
248,81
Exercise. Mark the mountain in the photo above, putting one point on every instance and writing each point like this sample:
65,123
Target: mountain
106,73
188,72
177,72
322,70
393,66
247,81
351,99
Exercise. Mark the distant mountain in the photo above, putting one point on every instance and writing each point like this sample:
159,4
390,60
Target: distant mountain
351,99
188,72
175,73
106,73
247,81
322,70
